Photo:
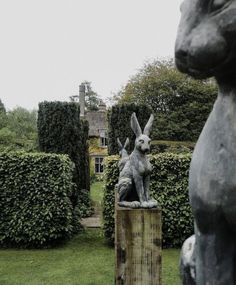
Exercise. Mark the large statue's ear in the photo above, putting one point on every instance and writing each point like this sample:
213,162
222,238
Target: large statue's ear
126,143
119,144
148,126
135,125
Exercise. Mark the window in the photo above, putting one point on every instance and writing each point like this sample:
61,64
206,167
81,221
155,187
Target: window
98,164
103,137
103,141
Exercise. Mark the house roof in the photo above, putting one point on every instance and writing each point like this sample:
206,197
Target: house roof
97,122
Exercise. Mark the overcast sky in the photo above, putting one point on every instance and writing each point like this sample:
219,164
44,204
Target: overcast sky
49,46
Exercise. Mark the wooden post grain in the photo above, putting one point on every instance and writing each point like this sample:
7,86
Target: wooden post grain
138,246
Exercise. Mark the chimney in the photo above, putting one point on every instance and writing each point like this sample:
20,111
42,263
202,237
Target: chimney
82,99
102,106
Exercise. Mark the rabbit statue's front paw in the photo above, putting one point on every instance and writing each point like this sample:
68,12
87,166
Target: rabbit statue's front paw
149,204
136,204
144,204
153,203
133,204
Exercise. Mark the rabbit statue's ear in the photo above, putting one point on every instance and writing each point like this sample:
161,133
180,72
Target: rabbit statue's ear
148,126
135,125
119,143
126,143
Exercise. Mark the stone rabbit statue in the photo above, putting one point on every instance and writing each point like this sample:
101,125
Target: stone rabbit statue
123,153
206,47
134,179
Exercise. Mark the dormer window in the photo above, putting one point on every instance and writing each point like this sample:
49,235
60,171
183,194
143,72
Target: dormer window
103,138
103,142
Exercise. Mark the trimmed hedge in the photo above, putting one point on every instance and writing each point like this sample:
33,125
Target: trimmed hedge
61,131
119,124
84,154
171,146
169,185
34,199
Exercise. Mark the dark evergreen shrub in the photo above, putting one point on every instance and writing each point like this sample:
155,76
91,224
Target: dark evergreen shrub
169,185
119,124
60,130
35,206
171,146
84,154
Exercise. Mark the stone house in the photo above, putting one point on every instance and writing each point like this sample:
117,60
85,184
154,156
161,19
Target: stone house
97,133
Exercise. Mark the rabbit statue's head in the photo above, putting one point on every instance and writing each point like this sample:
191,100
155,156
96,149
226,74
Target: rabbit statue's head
206,41
142,142
122,148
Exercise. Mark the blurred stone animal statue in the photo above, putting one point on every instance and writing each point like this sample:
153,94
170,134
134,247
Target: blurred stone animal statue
187,262
206,47
134,179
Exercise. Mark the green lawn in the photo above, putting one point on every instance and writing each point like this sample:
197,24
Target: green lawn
170,267
85,260
97,192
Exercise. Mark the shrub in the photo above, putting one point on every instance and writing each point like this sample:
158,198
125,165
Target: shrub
119,124
34,199
84,154
111,179
169,183
60,130
171,146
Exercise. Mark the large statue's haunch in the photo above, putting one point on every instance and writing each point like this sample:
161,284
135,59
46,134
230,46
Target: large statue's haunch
135,169
205,47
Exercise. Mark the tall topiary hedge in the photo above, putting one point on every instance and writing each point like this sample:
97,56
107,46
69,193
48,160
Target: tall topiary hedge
84,154
119,124
34,199
169,185
60,130
171,146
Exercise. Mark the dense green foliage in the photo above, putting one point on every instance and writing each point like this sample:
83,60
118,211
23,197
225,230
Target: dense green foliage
2,115
171,146
60,130
34,199
181,104
2,107
111,179
119,124
169,183
84,154
18,129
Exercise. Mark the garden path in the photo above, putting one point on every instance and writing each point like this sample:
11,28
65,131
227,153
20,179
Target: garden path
95,221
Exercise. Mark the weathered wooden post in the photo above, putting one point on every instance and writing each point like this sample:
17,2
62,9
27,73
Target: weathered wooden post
138,246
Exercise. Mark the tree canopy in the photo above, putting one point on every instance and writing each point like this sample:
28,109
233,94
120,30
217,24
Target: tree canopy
180,104
3,117
2,107
18,129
